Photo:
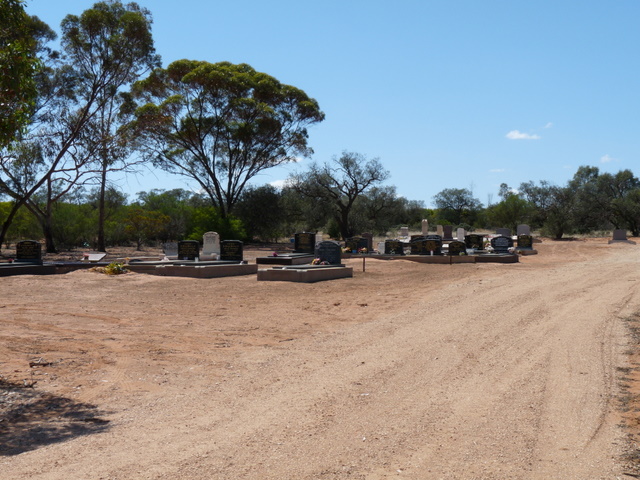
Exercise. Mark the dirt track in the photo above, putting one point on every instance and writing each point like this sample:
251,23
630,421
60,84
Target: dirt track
416,371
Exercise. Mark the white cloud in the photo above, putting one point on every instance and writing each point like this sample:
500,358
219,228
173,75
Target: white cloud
607,159
279,183
498,170
518,135
548,125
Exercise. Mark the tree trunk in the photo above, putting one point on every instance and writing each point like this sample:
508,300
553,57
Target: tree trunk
8,221
102,247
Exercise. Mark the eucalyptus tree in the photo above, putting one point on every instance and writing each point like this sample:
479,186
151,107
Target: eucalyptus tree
339,184
457,205
104,50
221,124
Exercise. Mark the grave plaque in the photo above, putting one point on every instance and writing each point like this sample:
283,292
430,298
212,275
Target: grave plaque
523,230
619,235
448,232
456,248
525,242
354,244
231,250
188,250
329,252
434,244
404,231
503,232
419,246
170,249
501,244
475,241
393,247
211,243
304,242
29,251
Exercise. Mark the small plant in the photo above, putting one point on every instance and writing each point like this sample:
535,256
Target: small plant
114,268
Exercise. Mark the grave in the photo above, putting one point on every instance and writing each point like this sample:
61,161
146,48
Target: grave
501,244
369,239
210,246
523,230
356,244
460,234
418,246
457,248
393,247
503,232
29,252
304,242
474,241
170,249
188,250
329,252
620,236
433,244
448,233
439,231
231,250
425,227
404,232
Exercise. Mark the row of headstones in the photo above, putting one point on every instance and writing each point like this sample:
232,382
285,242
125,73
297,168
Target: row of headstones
227,250
432,244
446,231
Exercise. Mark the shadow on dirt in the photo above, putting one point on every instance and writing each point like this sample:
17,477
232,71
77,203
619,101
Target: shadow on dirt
30,419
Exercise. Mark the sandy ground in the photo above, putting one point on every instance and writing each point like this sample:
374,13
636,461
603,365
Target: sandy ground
469,371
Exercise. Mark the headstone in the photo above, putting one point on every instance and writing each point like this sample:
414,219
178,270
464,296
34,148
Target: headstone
231,250
439,231
419,246
393,247
211,243
304,242
501,244
448,233
356,244
369,238
425,227
619,235
475,241
329,252
456,248
460,234
433,244
29,251
503,232
170,249
523,230
525,242
188,250
404,232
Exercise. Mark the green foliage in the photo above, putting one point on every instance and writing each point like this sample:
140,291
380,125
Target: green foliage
221,124
209,219
510,212
456,206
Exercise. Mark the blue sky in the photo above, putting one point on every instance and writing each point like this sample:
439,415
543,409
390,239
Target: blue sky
447,94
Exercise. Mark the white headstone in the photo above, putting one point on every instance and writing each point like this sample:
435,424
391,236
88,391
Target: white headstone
211,243
425,227
404,231
439,230
460,234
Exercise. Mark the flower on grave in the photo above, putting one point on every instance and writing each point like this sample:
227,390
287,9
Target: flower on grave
274,254
346,250
316,261
362,250
489,248
462,253
324,262
511,249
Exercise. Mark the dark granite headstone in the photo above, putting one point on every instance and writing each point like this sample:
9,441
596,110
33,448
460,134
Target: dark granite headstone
503,232
525,242
475,241
29,251
231,250
433,244
355,244
419,246
523,230
393,247
329,252
188,250
304,242
456,248
501,244
447,232
369,239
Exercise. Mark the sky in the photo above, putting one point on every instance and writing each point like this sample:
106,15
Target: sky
446,94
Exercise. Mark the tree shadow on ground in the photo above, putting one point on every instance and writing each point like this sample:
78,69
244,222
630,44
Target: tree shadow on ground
30,419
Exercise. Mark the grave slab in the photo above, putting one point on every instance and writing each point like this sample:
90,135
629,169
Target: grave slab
307,274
